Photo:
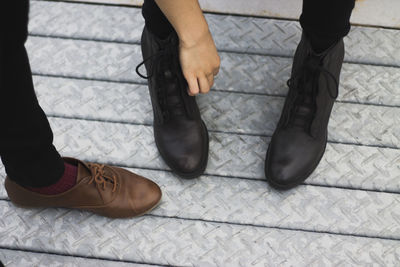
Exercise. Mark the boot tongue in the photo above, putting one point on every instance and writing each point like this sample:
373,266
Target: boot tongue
83,172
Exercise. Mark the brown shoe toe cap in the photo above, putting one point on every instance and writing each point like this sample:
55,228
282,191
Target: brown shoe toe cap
140,194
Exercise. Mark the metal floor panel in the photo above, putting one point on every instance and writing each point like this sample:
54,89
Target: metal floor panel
365,12
307,208
222,111
173,241
17,258
239,72
230,155
244,34
268,75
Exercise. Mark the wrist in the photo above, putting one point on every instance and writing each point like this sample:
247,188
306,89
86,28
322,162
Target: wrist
194,35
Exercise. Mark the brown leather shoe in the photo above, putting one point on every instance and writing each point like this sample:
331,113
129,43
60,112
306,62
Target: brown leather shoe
104,190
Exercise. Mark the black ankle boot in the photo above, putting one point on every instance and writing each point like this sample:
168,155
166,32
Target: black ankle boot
181,136
300,138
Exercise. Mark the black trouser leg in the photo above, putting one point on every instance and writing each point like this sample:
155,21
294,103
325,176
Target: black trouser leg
26,139
155,20
326,21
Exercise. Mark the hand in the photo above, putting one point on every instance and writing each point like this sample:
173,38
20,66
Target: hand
200,63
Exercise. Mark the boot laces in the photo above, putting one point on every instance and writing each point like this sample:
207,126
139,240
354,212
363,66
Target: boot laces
99,177
303,107
170,81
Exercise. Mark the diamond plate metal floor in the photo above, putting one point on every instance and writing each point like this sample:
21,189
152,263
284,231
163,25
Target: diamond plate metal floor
11,257
346,214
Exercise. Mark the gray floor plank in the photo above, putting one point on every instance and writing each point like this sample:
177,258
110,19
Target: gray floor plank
244,34
268,75
309,208
370,168
17,258
222,111
186,242
239,72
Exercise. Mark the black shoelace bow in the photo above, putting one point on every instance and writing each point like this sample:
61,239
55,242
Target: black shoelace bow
305,85
170,83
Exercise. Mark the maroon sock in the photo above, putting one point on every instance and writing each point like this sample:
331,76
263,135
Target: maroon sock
67,181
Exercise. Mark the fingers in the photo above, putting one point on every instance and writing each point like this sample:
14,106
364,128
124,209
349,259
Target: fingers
210,79
204,85
200,84
193,85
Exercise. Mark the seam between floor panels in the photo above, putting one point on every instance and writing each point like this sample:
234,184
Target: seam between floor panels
76,256
130,82
86,78
263,226
234,51
284,95
213,131
258,179
209,12
277,228
231,51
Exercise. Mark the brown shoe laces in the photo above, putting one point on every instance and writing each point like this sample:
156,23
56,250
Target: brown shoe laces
100,178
